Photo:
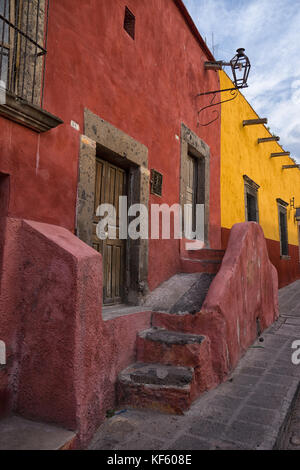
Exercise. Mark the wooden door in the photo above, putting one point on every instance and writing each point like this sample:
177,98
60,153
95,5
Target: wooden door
110,184
191,189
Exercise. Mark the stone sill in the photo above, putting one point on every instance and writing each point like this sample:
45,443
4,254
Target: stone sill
286,257
27,114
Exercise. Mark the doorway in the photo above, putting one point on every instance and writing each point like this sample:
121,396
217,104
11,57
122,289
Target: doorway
195,185
103,147
195,177
110,184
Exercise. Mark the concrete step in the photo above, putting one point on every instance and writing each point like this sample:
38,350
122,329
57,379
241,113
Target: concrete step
170,347
210,266
21,434
163,346
182,293
156,386
183,322
205,254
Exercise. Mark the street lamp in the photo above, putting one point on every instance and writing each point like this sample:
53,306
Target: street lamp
240,67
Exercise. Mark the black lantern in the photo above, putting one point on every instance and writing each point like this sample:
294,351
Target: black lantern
240,66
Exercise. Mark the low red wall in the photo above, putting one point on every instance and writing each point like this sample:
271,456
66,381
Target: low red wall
63,359
244,294
242,300
288,269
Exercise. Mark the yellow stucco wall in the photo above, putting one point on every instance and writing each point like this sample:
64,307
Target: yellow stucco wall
242,155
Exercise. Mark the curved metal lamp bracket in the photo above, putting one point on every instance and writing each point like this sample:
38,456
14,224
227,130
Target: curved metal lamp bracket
233,91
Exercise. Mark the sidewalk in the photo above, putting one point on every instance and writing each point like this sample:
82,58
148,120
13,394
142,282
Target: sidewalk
247,412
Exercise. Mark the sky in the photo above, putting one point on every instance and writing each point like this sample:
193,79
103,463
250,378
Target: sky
269,30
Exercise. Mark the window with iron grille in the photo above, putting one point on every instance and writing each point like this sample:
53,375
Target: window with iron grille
251,200
23,41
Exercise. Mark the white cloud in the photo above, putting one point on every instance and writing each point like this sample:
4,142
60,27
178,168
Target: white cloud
270,32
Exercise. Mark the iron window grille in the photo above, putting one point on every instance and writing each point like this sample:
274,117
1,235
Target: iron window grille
156,181
283,227
23,48
251,200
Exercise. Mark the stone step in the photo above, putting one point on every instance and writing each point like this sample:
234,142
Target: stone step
17,433
170,347
182,293
210,266
156,386
160,345
183,322
205,254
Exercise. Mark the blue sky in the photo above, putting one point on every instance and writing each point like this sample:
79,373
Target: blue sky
269,30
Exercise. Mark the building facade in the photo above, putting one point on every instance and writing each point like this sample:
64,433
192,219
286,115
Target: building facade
257,186
101,100
97,101
143,86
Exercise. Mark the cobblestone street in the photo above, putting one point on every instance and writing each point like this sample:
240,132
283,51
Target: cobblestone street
291,436
249,411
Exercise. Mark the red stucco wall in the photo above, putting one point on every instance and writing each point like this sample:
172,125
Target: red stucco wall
145,87
288,269
241,302
59,351
10,246
62,358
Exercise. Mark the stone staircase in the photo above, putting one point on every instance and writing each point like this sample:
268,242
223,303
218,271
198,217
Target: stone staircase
173,367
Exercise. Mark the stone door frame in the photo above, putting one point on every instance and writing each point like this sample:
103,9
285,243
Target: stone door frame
124,151
192,144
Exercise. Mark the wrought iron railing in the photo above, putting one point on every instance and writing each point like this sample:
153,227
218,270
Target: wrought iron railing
23,47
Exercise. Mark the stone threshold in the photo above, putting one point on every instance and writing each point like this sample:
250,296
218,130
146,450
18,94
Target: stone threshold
110,312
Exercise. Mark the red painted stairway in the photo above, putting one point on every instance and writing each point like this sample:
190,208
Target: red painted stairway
172,370
173,367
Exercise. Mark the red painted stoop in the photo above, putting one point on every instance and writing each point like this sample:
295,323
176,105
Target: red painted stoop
173,369
192,345
197,261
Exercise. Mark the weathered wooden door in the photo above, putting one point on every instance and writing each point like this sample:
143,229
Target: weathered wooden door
191,190
110,184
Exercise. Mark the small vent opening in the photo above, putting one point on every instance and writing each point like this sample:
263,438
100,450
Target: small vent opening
129,22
